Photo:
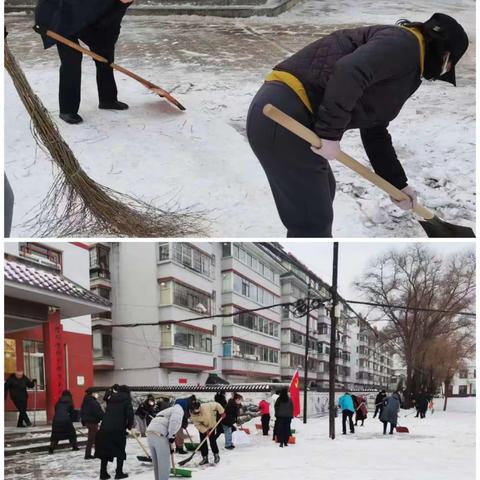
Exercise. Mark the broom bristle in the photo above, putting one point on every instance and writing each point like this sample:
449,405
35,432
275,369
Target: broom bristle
76,205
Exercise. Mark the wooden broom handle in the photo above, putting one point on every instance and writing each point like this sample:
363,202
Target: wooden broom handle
311,137
75,46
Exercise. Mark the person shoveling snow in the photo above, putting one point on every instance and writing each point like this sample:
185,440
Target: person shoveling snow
351,79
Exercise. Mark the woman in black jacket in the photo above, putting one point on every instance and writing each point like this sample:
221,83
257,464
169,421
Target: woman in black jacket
283,415
144,414
232,409
91,413
62,425
351,79
111,440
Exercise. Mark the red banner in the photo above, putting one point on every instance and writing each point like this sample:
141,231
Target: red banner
295,394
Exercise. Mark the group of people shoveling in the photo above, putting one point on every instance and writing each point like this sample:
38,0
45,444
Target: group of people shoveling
386,407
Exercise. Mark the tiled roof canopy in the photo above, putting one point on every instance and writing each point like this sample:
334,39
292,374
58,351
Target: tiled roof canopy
51,281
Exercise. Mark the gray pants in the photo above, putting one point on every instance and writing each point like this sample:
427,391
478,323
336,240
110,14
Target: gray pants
141,425
160,452
301,181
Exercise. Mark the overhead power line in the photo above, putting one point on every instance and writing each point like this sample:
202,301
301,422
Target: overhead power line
417,309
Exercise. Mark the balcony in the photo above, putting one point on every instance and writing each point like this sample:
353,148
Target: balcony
103,360
185,360
250,367
102,319
100,277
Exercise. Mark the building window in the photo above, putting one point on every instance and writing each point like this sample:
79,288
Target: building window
463,374
33,362
100,257
193,258
256,323
255,263
462,390
192,299
192,339
163,252
226,250
250,351
41,254
254,292
9,355
102,344
102,292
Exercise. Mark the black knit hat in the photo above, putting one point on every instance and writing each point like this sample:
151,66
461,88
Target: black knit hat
454,39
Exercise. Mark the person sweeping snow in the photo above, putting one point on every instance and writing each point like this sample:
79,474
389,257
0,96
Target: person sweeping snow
351,79
389,414
98,25
161,434
62,424
203,416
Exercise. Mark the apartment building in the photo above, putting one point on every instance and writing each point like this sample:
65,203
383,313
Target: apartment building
158,286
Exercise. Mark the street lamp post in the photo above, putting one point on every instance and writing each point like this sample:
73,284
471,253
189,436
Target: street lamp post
334,314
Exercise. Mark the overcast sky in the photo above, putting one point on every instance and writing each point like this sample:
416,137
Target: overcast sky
353,258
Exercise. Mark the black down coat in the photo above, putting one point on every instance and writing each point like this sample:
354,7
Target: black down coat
231,413
360,78
18,390
283,409
111,439
62,425
70,17
91,411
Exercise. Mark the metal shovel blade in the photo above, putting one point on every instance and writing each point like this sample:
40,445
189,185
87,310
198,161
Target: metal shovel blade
437,228
164,94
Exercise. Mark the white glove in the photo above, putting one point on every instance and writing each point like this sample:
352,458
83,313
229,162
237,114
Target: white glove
406,204
329,149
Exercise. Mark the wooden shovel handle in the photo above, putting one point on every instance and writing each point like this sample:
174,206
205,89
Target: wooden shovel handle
75,46
311,137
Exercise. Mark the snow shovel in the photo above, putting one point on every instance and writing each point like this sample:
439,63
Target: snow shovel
190,446
183,462
400,429
151,86
434,226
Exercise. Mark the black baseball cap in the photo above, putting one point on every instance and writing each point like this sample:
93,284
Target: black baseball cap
455,38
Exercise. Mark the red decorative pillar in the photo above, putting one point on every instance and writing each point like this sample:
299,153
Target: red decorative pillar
55,376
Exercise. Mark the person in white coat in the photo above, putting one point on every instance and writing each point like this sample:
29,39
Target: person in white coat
273,399
161,439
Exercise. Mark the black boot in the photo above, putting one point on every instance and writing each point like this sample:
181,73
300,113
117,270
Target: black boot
113,105
119,472
181,451
204,461
71,118
216,458
103,470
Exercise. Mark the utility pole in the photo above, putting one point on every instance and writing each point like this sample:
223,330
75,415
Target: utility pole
334,313
307,340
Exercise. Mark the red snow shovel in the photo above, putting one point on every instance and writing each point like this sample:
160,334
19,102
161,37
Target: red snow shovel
151,86
400,429
434,226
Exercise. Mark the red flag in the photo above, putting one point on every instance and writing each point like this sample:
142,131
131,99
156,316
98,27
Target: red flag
295,393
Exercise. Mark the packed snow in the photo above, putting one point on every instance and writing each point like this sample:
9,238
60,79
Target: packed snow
201,157
439,447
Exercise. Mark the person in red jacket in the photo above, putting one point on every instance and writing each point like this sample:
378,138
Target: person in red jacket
264,407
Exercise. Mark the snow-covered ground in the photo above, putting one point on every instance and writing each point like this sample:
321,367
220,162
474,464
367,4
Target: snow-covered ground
440,447
214,66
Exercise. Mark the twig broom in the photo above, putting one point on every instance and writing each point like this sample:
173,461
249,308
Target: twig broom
76,205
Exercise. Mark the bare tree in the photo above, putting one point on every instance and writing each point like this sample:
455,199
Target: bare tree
417,278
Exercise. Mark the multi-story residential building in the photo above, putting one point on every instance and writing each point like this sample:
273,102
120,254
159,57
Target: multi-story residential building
159,286
251,341
464,382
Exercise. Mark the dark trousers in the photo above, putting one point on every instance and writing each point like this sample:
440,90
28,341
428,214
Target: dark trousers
213,444
378,410
23,418
103,467
347,414
283,429
392,426
92,432
7,207
302,182
99,41
72,440
275,428
265,424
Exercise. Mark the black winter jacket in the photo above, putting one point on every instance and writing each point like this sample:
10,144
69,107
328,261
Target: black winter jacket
360,78
231,413
379,399
283,409
91,411
70,17
111,439
62,424
18,390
